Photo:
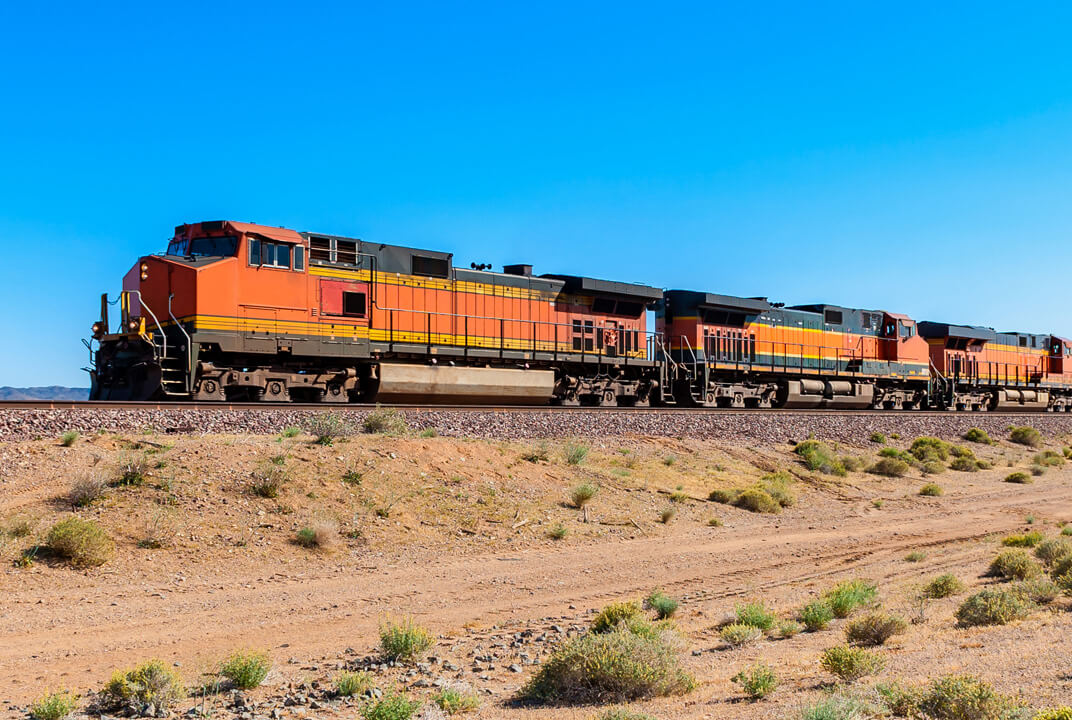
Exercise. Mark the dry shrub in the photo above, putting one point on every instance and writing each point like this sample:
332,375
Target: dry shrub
889,467
1018,477
874,628
583,494
83,543
385,422
159,531
268,480
86,489
318,533
133,469
327,427
1050,551
931,490
740,634
614,666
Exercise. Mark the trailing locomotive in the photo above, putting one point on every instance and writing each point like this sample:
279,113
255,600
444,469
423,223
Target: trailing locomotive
237,311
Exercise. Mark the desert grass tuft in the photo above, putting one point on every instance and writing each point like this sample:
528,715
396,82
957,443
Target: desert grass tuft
575,454
456,700
582,494
758,680
68,438
385,421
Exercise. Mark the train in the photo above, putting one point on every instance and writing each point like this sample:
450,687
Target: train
241,312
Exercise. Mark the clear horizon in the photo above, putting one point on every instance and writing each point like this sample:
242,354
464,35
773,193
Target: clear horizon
915,161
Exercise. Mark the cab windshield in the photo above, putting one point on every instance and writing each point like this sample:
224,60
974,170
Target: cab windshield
205,247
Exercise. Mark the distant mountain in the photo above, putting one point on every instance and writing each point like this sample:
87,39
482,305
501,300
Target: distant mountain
53,392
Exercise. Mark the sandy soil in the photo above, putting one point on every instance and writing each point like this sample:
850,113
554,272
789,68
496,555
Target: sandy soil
456,534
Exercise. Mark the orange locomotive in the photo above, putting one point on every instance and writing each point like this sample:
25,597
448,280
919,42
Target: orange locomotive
236,311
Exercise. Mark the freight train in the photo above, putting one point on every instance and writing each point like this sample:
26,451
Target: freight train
235,311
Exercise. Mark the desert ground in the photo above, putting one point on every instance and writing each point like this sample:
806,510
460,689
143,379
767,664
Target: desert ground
483,543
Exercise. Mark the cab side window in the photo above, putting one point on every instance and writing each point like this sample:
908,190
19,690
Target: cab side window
263,253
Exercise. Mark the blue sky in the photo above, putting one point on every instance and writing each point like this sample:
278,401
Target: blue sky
915,157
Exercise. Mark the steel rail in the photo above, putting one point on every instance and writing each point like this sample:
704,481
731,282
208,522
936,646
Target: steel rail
327,407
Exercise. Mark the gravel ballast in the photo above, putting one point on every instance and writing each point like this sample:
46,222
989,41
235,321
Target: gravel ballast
770,426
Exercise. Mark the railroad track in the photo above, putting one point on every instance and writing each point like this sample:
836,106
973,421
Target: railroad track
164,405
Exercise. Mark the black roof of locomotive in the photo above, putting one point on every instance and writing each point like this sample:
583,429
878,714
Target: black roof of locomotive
930,329
584,285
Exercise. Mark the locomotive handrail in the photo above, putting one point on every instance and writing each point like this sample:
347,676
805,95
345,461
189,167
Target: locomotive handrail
141,301
189,345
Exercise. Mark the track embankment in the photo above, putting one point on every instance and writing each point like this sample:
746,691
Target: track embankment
524,423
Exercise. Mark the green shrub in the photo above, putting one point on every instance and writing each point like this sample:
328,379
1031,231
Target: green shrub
962,697
152,683
758,680
1014,565
816,615
291,432
575,454
1038,470
663,605
846,596
993,606
898,700
724,496
931,490
456,701
557,532
327,427
817,456
755,614
1029,539
874,628
614,614
1025,435
1062,566
1018,477
851,663
1050,551
1049,458
391,707
614,666
68,438
965,463
932,467
582,494
82,543
758,501
1041,591
268,480
976,435
57,705
915,556
878,438
246,670
738,634
714,522
1066,530
404,640
943,586
897,454
428,433
1061,713
351,684
889,467
930,448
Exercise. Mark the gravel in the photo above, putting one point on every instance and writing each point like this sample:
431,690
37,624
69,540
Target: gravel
766,426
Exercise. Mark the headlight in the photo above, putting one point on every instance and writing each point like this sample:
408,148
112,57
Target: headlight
97,329
132,325
144,271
